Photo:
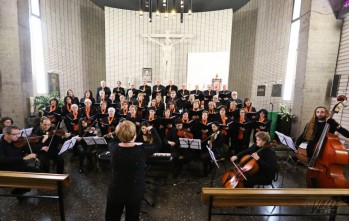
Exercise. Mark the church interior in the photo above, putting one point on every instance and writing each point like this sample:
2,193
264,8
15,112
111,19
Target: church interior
287,56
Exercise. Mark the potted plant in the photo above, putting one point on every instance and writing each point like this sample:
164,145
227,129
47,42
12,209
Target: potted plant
40,102
285,118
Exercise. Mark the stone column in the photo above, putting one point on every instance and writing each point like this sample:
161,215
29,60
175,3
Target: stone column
15,60
317,56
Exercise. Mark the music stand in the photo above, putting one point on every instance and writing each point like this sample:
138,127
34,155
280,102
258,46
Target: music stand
95,141
187,143
190,144
213,158
26,132
68,145
288,142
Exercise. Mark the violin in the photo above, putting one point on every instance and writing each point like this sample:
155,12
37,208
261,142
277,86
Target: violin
90,130
34,162
325,169
214,133
59,132
185,134
110,135
22,141
33,138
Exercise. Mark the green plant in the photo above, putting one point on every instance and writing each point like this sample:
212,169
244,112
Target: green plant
42,101
286,114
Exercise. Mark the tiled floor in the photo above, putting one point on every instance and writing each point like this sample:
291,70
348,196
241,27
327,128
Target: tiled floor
178,199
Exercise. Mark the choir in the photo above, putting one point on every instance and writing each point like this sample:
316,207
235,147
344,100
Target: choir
174,113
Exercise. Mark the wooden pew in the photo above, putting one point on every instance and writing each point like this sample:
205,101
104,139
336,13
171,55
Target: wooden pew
315,198
47,181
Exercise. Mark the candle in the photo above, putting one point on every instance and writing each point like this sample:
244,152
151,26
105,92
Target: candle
31,105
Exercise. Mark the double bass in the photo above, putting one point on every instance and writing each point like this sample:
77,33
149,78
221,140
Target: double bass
325,169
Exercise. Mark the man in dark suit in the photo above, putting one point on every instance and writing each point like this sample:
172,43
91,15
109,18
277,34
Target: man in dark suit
158,88
208,95
224,94
234,97
170,87
133,89
183,93
146,90
118,91
104,88
197,93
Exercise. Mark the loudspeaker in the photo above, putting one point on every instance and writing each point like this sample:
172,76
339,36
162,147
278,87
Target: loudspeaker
335,84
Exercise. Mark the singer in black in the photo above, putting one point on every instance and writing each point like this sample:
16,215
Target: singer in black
128,159
215,143
266,160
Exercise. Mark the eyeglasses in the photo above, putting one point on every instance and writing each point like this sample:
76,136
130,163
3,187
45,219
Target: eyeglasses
17,134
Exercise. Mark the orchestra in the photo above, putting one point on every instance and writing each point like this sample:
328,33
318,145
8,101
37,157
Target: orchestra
219,119
159,106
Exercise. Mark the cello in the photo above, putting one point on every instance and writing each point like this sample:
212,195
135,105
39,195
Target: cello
325,169
233,178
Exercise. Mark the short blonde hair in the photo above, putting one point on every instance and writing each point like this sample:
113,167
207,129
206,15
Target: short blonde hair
263,136
126,131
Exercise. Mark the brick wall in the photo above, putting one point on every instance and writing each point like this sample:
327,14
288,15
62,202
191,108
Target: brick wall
128,52
260,40
74,43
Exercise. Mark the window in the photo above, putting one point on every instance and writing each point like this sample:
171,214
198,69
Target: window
292,51
37,51
203,67
35,8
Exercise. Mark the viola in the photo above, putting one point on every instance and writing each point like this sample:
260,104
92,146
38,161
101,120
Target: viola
325,169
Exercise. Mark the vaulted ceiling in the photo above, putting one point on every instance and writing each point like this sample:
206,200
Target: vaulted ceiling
197,5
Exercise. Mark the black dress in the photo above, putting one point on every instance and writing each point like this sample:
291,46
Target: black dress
126,184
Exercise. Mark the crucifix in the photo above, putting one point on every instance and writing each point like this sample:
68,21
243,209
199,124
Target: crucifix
166,46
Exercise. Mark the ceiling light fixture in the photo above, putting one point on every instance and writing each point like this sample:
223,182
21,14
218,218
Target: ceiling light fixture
168,7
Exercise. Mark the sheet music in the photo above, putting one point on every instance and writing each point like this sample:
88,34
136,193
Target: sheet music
287,141
213,158
190,143
161,155
26,132
68,144
95,140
